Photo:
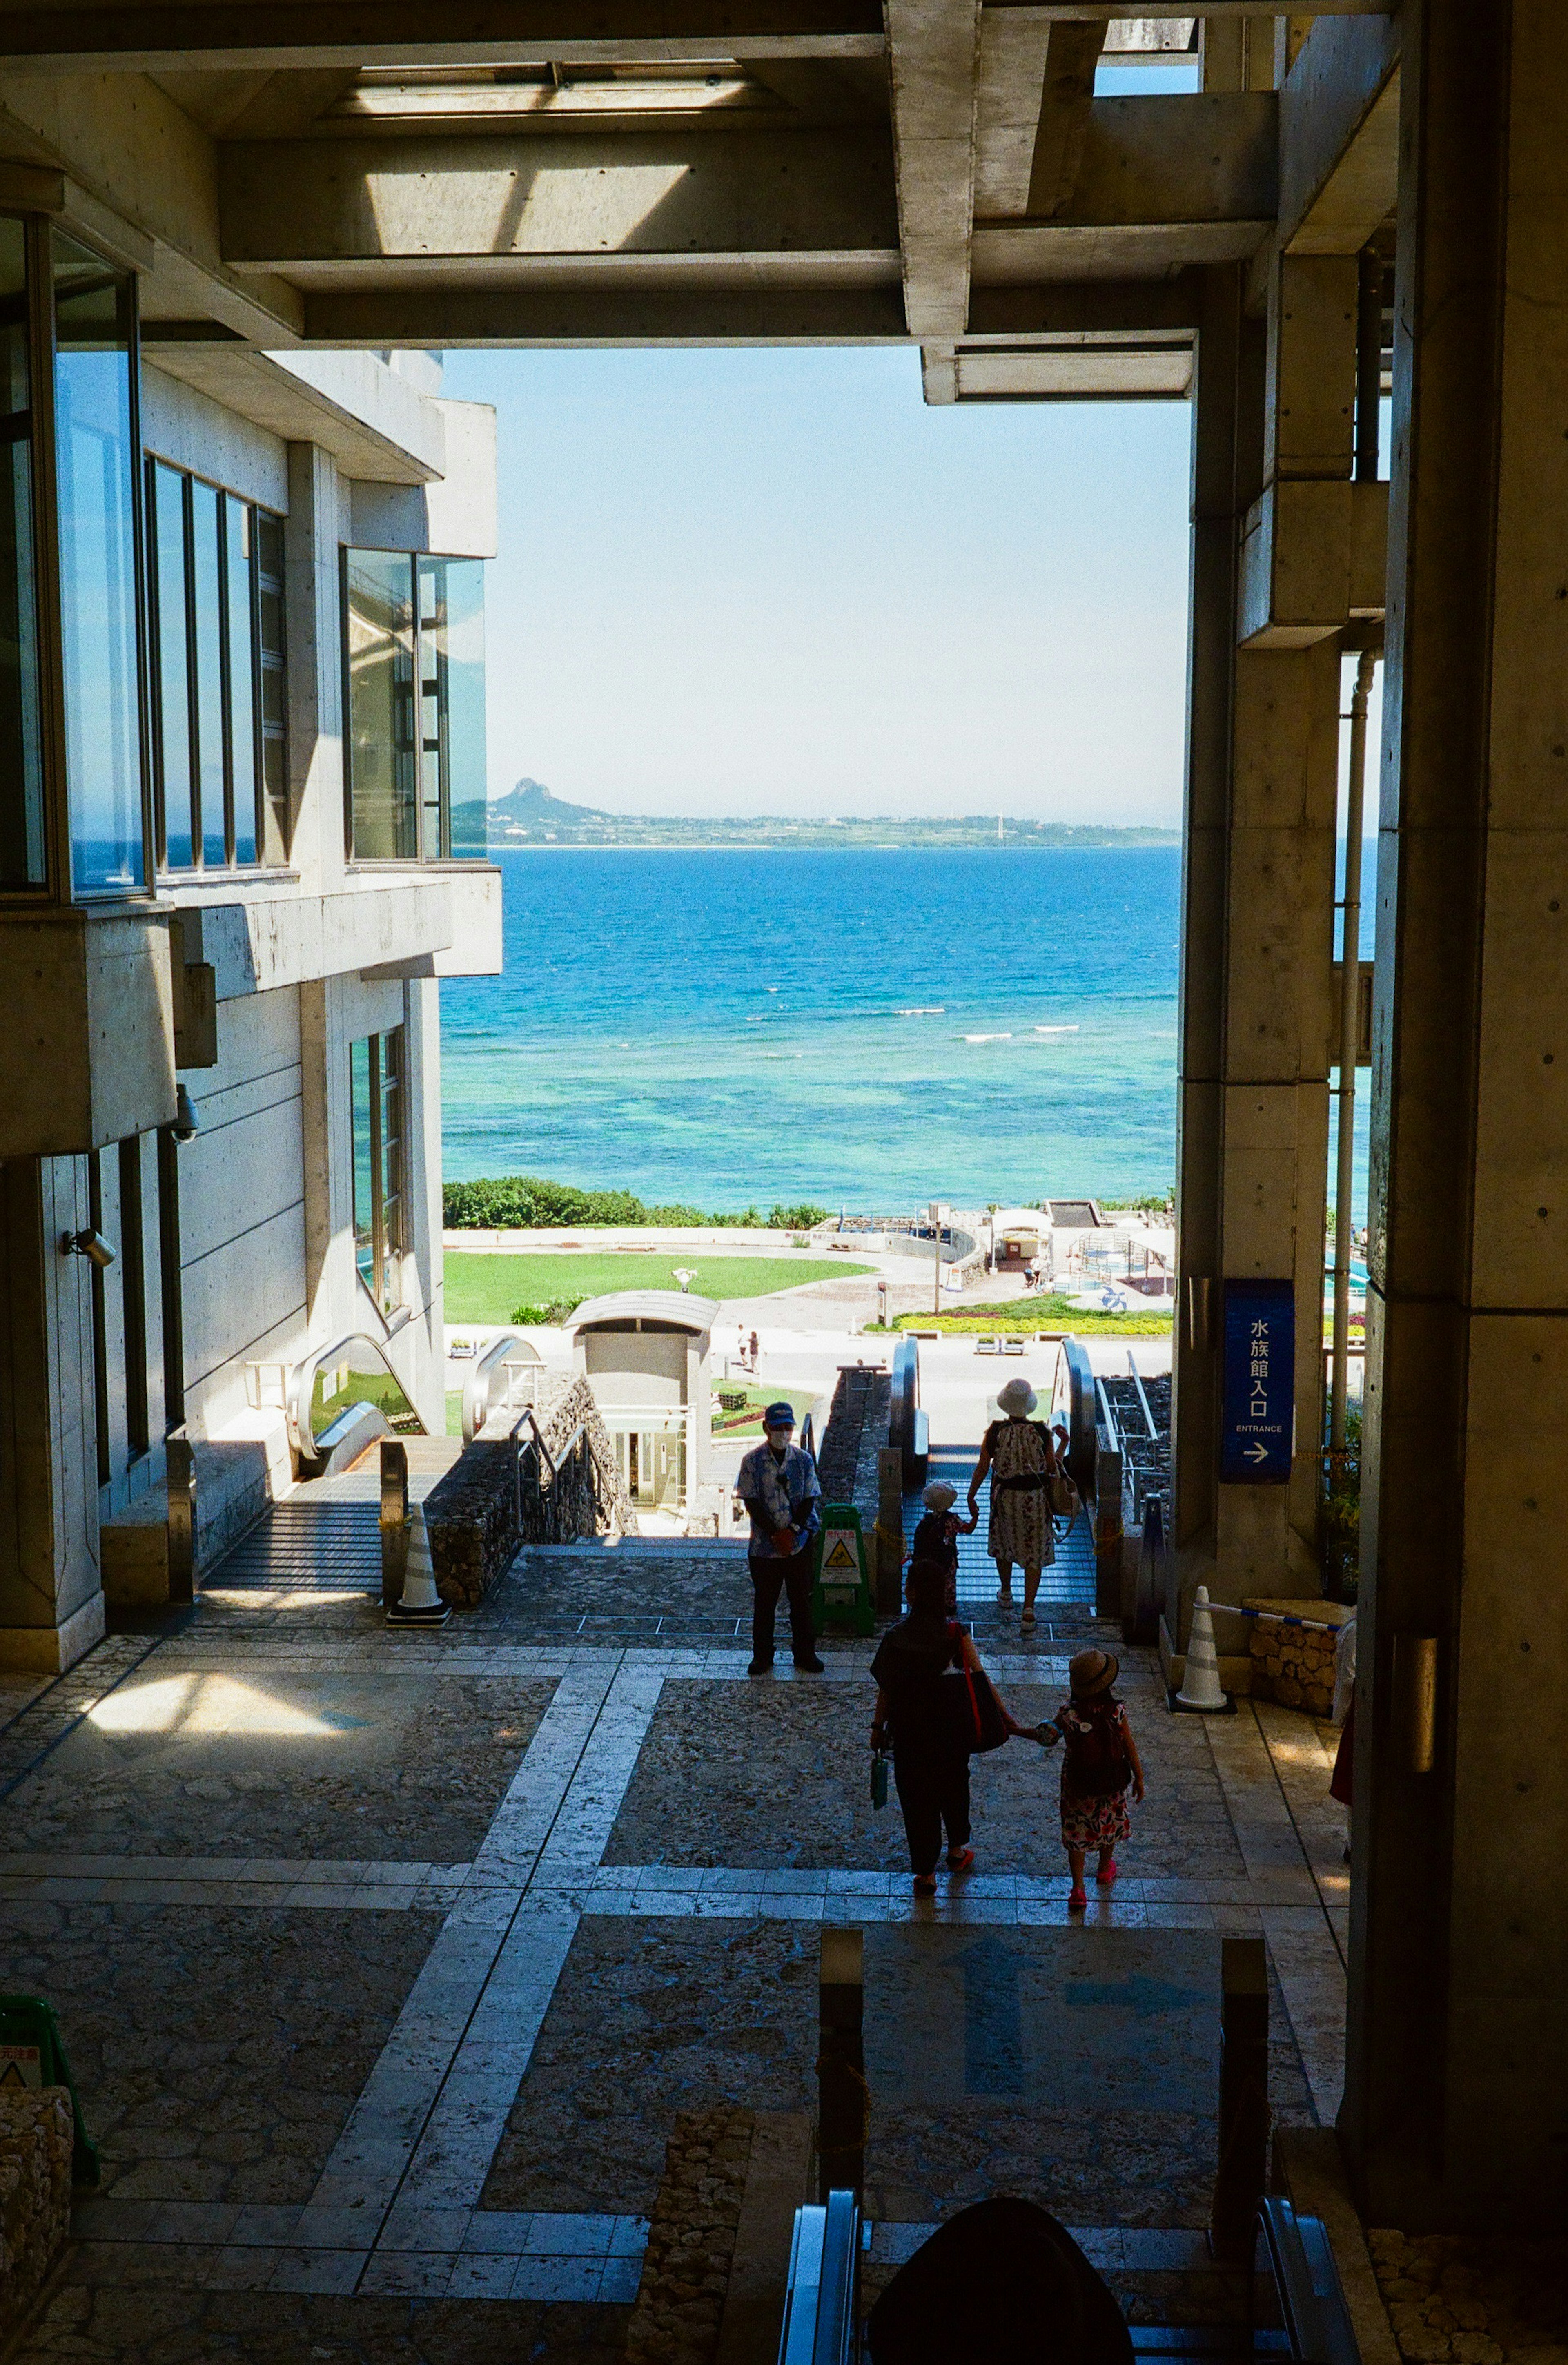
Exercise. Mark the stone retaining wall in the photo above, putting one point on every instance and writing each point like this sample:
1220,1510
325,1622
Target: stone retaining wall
857,1430
691,2241
36,2132
471,1514
1293,1664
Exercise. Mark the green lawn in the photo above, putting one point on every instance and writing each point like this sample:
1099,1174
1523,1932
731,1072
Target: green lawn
486,1288
1027,1315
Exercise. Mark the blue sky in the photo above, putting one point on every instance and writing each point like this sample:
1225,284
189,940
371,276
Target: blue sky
732,580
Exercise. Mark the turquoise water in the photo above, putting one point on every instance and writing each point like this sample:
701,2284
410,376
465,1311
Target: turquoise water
870,1028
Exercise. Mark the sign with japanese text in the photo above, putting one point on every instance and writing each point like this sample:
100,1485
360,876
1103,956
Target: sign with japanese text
1259,1424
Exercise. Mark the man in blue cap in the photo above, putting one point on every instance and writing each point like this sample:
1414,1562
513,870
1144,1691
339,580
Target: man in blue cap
779,1486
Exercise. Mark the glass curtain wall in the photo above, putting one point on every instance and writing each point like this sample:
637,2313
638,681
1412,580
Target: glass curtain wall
95,496
416,762
21,744
219,692
375,1087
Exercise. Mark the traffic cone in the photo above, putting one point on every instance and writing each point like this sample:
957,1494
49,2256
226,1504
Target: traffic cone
422,1605
1201,1686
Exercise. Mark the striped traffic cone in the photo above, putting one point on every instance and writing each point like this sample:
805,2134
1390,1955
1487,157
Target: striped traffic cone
1200,1686
422,1605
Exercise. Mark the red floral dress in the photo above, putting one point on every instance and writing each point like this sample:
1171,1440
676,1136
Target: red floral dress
1089,1821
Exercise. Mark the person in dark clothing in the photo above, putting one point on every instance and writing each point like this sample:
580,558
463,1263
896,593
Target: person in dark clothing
1001,2281
779,1486
931,1769
937,1537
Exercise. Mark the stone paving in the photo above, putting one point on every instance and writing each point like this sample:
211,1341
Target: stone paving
385,1961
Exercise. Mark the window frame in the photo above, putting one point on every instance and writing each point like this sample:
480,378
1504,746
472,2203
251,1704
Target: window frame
436,753
386,1058
232,866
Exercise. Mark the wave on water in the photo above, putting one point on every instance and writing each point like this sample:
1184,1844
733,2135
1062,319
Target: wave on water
987,1039
1056,1030
924,1010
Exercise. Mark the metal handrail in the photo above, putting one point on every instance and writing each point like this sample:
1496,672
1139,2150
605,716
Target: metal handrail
476,1386
1312,2301
302,1389
819,2326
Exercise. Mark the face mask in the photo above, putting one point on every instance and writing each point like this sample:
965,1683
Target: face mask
778,1438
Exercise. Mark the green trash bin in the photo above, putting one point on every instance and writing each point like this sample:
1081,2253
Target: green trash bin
841,1573
33,2056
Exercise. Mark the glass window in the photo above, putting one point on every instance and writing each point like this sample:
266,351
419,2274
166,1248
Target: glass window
375,1091
240,591
215,568
451,706
273,660
207,552
95,447
21,764
379,605
173,773
415,764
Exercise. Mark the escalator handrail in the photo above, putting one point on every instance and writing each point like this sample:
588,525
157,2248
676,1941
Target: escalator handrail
302,1388
476,1396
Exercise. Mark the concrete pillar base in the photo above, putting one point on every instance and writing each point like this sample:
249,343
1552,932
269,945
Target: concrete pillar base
50,1650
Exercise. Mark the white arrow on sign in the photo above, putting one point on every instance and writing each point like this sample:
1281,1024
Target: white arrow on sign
1257,1453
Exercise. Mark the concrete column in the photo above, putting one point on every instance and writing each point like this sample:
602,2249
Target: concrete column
51,1602
1275,404
1455,2113
311,547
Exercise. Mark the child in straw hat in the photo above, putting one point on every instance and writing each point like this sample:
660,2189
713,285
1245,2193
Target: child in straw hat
1100,1761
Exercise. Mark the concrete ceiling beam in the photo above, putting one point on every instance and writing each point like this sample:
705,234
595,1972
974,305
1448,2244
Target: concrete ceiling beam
933,59
1061,133
1114,308
445,317
493,199
1164,183
1339,136
172,36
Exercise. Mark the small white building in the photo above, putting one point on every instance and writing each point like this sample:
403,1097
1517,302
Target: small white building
646,1353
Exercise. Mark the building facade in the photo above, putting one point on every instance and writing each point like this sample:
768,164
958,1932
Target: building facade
242,801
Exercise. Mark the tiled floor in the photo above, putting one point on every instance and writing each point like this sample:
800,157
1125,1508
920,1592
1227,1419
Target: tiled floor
385,1959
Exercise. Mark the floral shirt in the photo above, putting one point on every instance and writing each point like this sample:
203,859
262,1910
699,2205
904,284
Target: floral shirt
779,1492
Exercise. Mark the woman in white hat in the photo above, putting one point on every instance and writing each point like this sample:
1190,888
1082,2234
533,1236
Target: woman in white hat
1020,1454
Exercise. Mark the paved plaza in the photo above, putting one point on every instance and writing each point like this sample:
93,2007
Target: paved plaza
385,1960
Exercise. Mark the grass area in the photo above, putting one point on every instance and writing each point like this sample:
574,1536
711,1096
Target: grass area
741,1420
455,1412
482,1288
1027,1315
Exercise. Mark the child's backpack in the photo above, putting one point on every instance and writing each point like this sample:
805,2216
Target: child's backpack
1098,1765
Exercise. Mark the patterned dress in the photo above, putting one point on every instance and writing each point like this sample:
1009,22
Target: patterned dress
1091,1823
1020,1526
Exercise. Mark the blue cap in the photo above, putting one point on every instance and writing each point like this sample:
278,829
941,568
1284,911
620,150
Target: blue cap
779,1415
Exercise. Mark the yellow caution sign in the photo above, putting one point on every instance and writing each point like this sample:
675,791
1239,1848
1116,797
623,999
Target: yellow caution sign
842,1593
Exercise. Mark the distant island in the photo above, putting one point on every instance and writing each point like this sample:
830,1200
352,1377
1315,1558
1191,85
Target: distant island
531,815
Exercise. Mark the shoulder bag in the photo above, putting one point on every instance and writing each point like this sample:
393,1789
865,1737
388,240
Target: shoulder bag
971,1713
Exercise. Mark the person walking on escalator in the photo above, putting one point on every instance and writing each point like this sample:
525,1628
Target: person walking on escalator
779,1486
1021,1456
937,1537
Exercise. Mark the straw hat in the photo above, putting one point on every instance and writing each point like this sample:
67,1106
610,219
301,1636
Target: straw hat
1016,1398
1091,1672
939,1495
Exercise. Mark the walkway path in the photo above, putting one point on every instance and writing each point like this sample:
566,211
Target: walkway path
385,1960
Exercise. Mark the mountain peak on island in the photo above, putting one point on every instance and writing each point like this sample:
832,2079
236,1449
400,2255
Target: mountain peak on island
531,814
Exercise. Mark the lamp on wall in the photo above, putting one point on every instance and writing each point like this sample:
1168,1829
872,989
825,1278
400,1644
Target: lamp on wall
187,1125
89,1244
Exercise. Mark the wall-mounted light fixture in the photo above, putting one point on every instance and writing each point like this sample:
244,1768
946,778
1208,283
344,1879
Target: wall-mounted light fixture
89,1244
187,1125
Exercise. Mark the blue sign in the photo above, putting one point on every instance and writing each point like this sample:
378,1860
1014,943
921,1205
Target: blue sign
1259,1428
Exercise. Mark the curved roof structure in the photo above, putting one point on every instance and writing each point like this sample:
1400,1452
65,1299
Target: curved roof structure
675,1310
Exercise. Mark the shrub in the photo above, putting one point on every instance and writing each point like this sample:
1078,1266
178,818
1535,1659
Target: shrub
542,1318
799,1219
528,1202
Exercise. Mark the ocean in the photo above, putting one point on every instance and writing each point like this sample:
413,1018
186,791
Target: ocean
869,1029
